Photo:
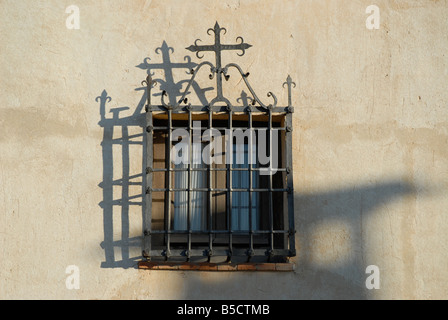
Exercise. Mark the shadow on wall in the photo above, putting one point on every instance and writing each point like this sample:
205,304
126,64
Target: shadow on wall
336,222
332,250
109,184
117,125
312,280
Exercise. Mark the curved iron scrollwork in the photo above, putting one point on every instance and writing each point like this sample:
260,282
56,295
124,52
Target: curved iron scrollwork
218,72
244,76
183,98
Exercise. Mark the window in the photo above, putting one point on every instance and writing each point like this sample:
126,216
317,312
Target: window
219,201
202,207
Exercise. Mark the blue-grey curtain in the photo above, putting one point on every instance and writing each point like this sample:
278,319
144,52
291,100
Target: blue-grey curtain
240,180
198,198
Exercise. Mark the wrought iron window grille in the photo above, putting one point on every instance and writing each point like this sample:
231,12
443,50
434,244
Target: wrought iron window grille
190,242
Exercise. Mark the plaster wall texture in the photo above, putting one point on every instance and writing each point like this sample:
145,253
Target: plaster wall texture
370,143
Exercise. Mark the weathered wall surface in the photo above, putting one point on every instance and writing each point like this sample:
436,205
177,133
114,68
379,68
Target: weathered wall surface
370,143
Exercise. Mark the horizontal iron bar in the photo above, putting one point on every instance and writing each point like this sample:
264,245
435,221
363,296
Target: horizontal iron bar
162,128
202,232
204,252
216,169
205,109
218,190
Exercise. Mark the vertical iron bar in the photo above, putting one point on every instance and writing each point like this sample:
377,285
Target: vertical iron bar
271,204
190,163
149,174
168,185
290,184
229,182
210,185
250,160
218,61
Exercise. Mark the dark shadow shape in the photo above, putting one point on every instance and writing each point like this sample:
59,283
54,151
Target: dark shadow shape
110,125
168,84
343,281
117,121
350,206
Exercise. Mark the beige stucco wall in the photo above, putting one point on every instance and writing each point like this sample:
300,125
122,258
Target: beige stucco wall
370,143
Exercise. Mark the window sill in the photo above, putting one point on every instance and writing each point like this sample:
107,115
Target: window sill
216,267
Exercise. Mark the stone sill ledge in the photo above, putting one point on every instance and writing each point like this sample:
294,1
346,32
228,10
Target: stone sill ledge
226,267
